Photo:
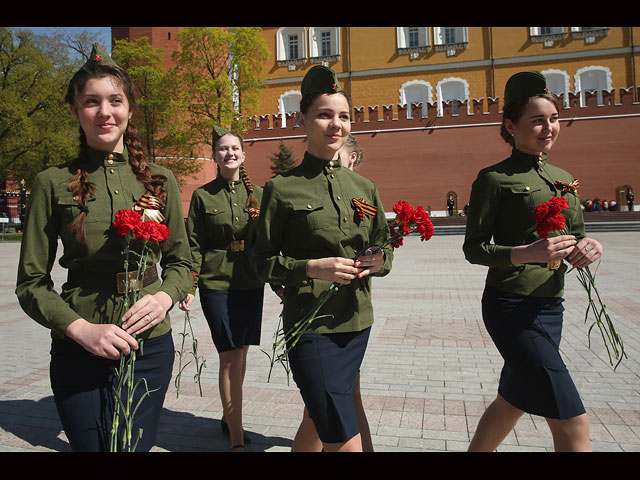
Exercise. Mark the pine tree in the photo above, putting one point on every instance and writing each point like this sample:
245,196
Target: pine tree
282,160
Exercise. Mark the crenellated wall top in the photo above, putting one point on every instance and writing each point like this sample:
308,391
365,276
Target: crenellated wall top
480,112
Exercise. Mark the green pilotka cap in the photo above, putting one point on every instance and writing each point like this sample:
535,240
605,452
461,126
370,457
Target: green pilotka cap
524,85
320,79
218,132
99,56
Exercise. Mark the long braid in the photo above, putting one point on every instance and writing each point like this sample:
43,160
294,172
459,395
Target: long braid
138,162
252,201
81,188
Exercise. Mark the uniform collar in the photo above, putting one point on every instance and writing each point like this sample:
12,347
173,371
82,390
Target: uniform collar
227,184
316,164
530,159
100,157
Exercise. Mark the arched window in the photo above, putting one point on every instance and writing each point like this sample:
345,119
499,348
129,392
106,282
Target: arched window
558,83
324,44
289,102
593,78
291,46
416,91
452,89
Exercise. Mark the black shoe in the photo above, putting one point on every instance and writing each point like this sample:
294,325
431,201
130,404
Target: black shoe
225,429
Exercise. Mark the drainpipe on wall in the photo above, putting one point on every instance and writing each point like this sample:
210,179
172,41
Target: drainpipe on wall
633,68
493,72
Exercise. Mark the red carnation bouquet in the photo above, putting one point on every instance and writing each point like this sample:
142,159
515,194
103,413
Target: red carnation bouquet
548,217
408,220
130,225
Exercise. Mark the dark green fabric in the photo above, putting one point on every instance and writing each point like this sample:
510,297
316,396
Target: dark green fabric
500,216
320,79
306,213
50,210
525,84
218,215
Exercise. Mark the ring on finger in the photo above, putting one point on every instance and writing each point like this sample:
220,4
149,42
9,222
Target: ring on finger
150,315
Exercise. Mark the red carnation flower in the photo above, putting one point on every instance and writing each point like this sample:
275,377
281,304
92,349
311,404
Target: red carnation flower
126,221
548,216
424,225
151,230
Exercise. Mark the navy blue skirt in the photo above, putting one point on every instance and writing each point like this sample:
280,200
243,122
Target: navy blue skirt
234,316
83,385
526,331
325,368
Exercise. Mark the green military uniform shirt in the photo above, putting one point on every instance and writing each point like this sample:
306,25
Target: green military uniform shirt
217,216
51,209
306,213
503,198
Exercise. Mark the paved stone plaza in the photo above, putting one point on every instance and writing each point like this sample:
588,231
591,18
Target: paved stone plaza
429,372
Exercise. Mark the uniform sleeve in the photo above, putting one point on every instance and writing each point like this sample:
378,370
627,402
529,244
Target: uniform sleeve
176,257
381,235
34,286
271,265
482,216
196,232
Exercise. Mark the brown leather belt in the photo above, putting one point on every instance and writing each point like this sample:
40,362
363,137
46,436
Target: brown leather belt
234,246
111,281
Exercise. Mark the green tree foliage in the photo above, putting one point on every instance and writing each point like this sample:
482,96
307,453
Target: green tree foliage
282,160
215,82
145,65
36,128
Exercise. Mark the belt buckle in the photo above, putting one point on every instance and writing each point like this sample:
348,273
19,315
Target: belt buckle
133,280
237,245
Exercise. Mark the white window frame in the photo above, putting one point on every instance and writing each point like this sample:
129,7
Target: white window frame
282,47
548,39
440,44
577,81
402,41
315,46
282,100
452,80
428,99
565,80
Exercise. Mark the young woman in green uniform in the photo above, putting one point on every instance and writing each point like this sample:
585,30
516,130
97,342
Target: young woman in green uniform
309,235
221,227
75,203
522,301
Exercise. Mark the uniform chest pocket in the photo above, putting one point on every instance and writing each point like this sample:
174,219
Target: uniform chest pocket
68,209
308,216
528,195
216,215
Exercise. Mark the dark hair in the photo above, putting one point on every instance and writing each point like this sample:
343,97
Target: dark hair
252,201
307,100
514,110
79,185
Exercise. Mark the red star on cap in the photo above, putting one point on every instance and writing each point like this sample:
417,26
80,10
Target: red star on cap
335,87
98,58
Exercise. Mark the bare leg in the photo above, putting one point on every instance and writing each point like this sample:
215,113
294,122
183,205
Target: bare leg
230,379
306,439
570,435
363,423
352,445
495,424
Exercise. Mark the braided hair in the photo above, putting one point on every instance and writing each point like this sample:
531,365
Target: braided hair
79,185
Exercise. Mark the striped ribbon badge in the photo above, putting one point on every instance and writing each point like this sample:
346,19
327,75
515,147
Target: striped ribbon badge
363,208
150,207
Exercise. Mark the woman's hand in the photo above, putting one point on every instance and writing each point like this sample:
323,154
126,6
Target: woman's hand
333,269
371,262
185,303
147,312
544,250
585,252
104,339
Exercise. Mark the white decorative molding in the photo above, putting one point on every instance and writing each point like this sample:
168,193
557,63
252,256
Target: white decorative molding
577,81
281,104
565,79
282,47
411,85
452,80
402,42
315,51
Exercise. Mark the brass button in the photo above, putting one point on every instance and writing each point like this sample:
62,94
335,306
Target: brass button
309,206
110,162
527,188
215,210
344,219
304,282
75,199
233,191
331,163
112,170
110,156
235,204
116,192
339,197
236,219
331,176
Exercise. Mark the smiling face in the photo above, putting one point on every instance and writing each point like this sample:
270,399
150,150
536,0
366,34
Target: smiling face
229,155
537,129
102,108
327,123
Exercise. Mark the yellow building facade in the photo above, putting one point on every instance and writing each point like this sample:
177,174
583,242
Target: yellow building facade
404,65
